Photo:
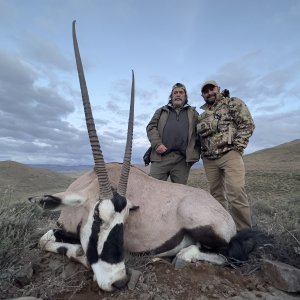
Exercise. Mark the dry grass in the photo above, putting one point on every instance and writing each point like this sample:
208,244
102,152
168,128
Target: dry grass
17,222
18,181
21,226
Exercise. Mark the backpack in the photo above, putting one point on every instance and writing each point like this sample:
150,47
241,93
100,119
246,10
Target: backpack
146,156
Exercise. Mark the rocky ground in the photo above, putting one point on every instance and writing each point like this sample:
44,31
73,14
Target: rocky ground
30,271
52,276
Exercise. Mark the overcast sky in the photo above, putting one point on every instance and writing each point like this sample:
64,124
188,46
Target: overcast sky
250,47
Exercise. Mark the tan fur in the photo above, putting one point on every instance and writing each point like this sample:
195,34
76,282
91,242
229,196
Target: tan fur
164,208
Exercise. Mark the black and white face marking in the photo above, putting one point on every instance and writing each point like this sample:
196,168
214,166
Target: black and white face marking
103,236
119,202
65,237
49,202
46,201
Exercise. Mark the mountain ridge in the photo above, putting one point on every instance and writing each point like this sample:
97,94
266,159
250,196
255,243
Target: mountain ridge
19,180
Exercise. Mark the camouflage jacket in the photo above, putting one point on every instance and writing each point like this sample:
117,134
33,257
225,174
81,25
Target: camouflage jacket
225,126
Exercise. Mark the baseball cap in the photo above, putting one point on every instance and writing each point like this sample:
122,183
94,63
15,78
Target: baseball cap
209,82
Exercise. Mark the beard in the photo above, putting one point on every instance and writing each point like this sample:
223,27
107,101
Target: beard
177,102
211,100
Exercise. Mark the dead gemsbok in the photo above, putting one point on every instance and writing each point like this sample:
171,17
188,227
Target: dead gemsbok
169,220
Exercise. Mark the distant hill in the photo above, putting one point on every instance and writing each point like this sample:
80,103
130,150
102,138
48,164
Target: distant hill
285,156
70,171
76,171
19,181
61,168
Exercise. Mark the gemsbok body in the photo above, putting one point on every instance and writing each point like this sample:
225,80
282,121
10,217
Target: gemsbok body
167,219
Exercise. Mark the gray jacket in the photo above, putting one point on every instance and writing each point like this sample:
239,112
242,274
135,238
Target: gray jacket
155,130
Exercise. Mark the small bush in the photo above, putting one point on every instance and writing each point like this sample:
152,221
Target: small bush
17,223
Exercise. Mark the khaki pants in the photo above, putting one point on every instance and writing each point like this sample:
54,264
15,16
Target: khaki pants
226,178
173,165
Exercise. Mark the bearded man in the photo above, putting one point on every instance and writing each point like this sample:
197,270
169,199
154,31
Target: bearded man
172,134
224,129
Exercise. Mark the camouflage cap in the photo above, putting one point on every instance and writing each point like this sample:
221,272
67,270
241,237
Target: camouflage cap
209,82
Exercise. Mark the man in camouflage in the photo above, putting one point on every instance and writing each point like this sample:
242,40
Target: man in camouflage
224,129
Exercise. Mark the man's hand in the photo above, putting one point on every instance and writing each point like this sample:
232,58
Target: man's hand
161,149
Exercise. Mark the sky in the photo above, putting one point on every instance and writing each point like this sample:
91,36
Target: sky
251,48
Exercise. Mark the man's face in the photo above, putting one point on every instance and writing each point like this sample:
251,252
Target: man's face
209,93
178,97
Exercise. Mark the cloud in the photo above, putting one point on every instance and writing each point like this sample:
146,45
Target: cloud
270,87
34,126
260,80
23,98
275,129
13,71
32,121
45,54
41,114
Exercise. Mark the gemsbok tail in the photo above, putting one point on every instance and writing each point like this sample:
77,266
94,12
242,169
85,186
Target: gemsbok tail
245,242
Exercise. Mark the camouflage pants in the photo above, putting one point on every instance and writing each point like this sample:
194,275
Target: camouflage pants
173,165
226,178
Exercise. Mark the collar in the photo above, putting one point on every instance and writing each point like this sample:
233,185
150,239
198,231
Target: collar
184,106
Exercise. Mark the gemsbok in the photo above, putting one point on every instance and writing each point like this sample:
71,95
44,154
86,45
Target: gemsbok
98,224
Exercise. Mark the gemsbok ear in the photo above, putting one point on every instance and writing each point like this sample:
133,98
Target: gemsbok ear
131,206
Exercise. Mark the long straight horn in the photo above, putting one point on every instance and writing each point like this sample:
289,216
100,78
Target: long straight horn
104,185
127,156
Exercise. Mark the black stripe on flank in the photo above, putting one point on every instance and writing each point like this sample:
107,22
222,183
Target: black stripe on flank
66,237
92,252
62,250
203,235
168,245
119,202
207,237
113,250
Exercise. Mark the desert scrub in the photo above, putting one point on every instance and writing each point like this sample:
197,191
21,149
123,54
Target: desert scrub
21,226
17,223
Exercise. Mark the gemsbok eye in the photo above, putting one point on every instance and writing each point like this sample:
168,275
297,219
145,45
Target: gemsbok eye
96,214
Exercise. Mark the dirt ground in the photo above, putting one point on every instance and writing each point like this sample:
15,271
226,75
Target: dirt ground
161,281
56,277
